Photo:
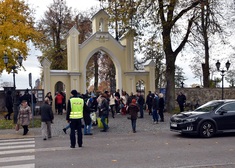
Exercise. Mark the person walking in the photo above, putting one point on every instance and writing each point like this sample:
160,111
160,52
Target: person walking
112,104
104,110
181,99
46,118
26,97
117,101
161,107
140,101
133,110
59,102
34,102
149,102
50,98
87,121
16,106
9,105
24,116
75,108
155,108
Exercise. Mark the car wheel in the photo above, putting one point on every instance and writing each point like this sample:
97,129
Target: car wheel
207,129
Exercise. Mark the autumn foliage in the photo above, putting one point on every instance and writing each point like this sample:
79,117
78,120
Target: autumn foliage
16,30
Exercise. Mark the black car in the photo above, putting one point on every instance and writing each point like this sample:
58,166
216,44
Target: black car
217,116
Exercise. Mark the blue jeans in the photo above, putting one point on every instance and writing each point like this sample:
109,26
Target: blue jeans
133,124
103,117
87,128
155,115
68,126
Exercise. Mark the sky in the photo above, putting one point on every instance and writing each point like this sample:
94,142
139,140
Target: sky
32,65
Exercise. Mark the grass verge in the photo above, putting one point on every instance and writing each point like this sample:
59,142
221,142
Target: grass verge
8,124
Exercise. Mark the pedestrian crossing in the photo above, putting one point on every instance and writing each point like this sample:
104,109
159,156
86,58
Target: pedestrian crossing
16,153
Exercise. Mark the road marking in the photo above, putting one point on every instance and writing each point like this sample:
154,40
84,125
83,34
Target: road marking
17,158
16,143
17,147
20,139
23,166
17,151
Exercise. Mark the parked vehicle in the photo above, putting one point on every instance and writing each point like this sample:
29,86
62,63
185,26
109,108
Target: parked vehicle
217,116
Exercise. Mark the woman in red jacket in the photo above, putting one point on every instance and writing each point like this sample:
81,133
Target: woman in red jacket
59,103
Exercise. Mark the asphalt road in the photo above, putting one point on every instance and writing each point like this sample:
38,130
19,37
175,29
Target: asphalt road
153,146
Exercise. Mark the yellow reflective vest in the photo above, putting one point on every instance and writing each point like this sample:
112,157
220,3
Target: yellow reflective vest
76,108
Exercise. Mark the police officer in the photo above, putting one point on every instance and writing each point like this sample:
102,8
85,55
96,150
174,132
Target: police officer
76,107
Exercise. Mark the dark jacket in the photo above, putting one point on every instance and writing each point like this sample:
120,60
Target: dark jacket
46,112
149,99
155,103
104,107
140,100
161,103
133,110
26,97
130,99
87,117
9,102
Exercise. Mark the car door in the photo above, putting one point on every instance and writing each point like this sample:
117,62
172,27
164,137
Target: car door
225,116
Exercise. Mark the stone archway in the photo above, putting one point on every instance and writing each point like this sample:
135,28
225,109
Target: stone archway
121,53
115,62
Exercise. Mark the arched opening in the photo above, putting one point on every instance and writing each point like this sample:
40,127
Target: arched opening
59,87
140,86
100,73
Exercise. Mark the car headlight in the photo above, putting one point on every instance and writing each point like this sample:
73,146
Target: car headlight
190,119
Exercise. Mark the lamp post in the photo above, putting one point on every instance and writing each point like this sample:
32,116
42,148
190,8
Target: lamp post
14,67
227,65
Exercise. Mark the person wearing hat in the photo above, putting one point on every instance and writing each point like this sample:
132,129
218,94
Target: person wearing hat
133,109
75,109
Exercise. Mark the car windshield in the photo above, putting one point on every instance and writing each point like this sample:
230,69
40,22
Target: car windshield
209,107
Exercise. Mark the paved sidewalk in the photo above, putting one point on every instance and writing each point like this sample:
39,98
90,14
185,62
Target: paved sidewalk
119,124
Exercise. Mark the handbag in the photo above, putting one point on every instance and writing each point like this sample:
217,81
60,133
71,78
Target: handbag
17,127
93,117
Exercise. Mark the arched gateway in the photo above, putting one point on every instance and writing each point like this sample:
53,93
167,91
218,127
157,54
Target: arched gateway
121,53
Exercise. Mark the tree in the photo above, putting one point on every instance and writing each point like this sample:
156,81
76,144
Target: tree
152,50
206,26
16,30
179,77
230,78
169,13
55,25
122,15
101,69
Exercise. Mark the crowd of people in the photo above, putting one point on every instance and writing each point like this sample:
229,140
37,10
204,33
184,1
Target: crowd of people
81,110
80,107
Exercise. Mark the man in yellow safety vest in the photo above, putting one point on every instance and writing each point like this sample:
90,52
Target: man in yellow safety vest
76,107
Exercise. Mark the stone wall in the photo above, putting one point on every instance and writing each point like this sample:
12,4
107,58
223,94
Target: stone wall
39,94
193,95
203,95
